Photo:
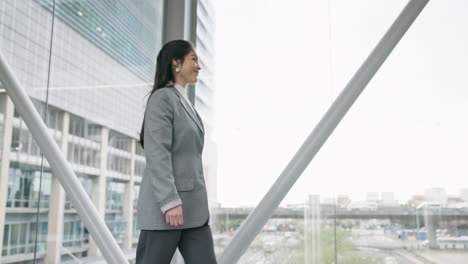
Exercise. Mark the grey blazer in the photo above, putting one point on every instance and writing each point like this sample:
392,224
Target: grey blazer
173,140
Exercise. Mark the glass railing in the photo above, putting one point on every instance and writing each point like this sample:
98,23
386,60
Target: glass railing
405,134
386,187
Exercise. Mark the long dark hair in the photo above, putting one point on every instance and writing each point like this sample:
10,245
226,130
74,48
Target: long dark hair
172,50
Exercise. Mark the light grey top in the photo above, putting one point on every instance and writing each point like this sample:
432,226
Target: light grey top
173,145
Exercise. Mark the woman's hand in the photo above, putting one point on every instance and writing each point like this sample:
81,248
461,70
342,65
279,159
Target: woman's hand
174,216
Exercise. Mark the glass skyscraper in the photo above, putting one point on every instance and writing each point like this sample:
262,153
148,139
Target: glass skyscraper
88,67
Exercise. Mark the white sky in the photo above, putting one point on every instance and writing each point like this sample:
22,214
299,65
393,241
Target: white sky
408,130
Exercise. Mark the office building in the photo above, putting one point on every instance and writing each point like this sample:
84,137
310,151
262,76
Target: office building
102,58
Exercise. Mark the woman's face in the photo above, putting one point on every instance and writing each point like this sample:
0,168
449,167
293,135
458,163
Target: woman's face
189,68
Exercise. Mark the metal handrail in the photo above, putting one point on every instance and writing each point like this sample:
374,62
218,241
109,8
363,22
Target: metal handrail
69,253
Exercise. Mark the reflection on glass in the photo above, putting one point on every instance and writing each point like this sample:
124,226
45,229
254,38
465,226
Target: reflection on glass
23,189
19,238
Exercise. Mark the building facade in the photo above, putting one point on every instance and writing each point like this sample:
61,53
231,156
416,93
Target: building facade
88,67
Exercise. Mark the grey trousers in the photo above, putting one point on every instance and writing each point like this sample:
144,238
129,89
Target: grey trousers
158,246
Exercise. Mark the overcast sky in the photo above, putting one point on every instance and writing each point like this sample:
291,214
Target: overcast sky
279,66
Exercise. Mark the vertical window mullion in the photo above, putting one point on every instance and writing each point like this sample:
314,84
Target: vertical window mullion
22,191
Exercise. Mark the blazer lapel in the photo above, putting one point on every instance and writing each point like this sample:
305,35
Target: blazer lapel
189,110
191,113
199,118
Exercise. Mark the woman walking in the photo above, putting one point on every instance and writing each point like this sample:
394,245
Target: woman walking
172,210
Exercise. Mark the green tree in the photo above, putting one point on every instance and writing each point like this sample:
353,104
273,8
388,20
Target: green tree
345,249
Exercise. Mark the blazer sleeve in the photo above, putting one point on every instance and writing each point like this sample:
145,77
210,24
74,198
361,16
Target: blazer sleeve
159,117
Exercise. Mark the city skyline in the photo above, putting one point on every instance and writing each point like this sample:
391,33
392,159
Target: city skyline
451,198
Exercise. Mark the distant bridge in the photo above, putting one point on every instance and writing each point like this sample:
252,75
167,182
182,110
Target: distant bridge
391,213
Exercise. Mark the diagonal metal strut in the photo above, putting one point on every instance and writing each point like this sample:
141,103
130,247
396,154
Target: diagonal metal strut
60,167
264,210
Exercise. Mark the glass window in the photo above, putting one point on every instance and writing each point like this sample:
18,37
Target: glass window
22,238
6,234
32,233
76,153
115,195
14,234
70,151
24,188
